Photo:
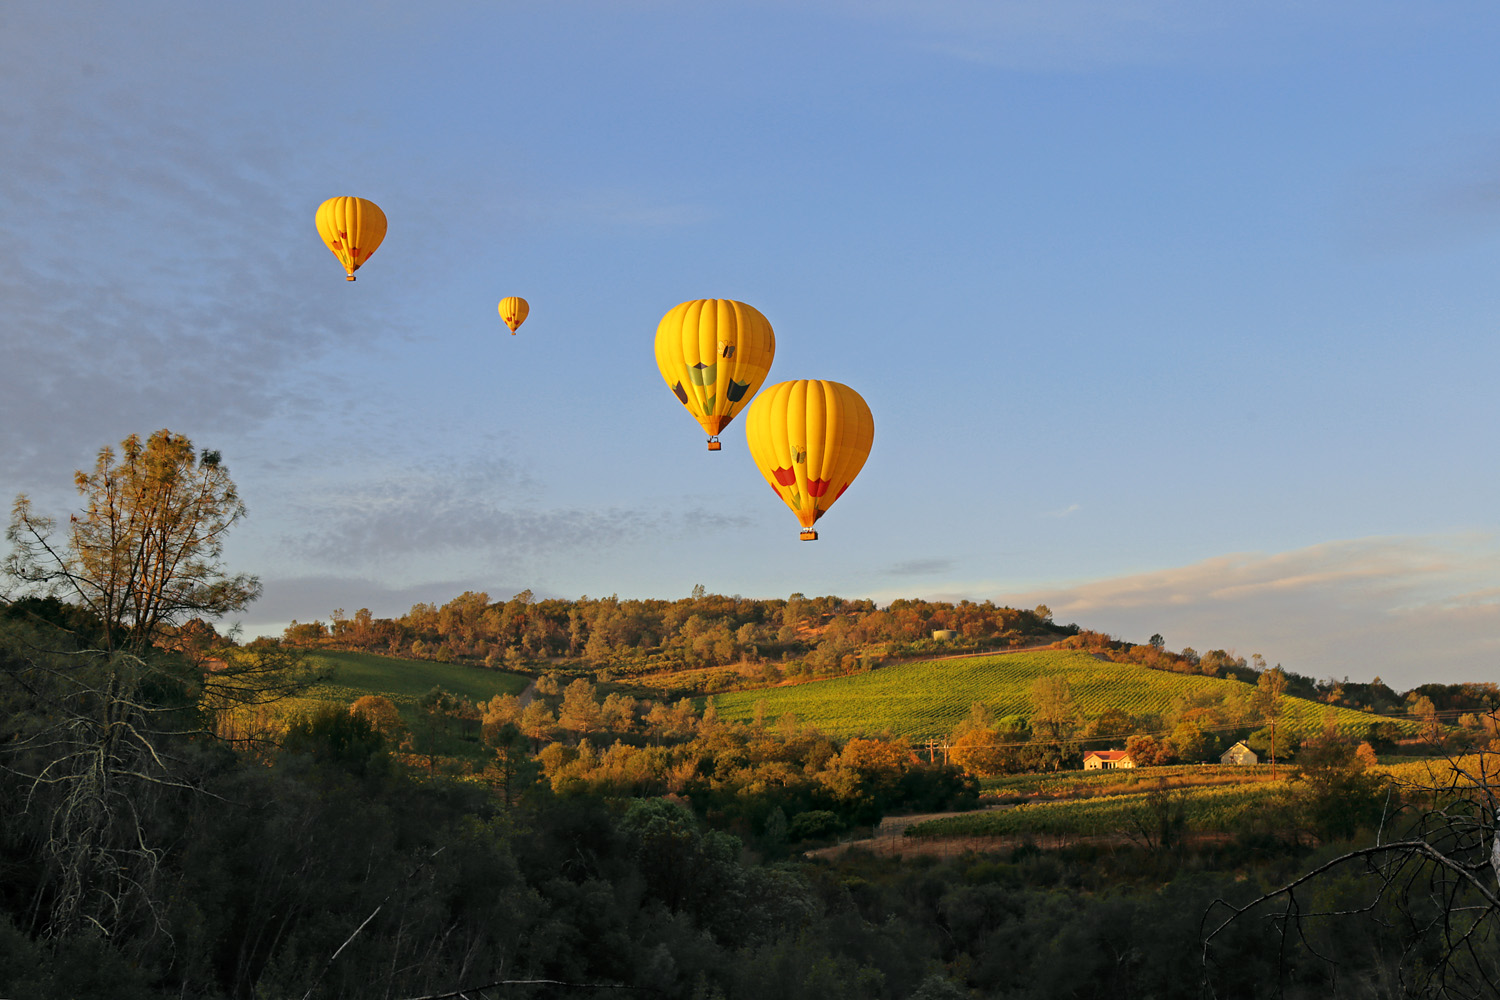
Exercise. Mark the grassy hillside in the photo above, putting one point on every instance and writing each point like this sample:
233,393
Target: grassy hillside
352,675
349,676
929,698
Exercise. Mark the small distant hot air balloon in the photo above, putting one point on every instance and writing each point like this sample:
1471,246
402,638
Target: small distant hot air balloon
714,354
514,311
809,438
352,228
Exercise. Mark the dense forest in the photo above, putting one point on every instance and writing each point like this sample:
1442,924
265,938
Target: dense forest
153,846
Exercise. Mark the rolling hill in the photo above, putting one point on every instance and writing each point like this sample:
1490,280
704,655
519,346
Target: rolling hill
348,676
928,698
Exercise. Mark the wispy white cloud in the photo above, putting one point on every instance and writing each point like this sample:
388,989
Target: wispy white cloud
459,513
1064,511
920,567
1448,195
1410,609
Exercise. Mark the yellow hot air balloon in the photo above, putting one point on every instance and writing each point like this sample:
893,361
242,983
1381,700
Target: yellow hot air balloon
809,438
352,228
714,354
514,311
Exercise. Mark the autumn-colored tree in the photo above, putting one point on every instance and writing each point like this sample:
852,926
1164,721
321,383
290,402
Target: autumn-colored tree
580,712
1054,719
139,562
144,554
380,712
1189,744
618,711
978,751
537,723
501,710
981,716
1426,714
1145,750
1270,692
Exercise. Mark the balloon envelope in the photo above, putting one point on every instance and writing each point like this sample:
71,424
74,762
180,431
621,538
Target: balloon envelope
514,311
352,228
809,438
714,355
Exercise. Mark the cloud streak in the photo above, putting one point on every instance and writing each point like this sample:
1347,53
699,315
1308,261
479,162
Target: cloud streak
1410,609
921,567
203,332
478,510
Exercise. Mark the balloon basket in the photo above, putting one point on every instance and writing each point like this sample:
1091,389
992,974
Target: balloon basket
713,444
809,535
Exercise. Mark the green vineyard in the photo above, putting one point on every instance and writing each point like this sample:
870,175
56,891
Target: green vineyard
347,676
927,699
1205,809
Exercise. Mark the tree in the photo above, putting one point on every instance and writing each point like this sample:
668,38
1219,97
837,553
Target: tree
1189,744
979,751
1145,750
1054,718
1054,715
537,722
981,717
1111,724
580,712
1270,691
380,712
501,710
513,770
104,709
1426,713
1424,893
1337,796
144,554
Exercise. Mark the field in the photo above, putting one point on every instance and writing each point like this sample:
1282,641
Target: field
1084,784
347,677
353,675
927,699
1214,798
1209,809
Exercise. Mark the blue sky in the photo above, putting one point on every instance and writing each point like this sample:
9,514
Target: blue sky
1177,316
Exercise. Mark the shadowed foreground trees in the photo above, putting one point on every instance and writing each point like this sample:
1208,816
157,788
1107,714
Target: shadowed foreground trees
325,870
1420,900
98,711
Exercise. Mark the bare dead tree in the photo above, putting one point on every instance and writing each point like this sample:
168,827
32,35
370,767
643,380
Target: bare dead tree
95,714
1434,891
91,751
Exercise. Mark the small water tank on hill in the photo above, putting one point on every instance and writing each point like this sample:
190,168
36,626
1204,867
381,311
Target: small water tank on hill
944,633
